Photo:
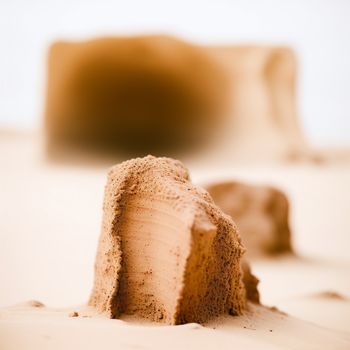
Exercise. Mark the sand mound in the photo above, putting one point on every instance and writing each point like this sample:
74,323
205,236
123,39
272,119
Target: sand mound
260,212
166,251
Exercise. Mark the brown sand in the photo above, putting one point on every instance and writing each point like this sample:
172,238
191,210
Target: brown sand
269,128
260,328
159,94
250,283
47,201
261,214
132,94
166,251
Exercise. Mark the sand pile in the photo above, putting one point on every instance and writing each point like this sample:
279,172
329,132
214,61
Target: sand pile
261,213
166,251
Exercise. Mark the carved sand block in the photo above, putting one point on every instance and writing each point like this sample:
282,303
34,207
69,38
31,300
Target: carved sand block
166,251
260,212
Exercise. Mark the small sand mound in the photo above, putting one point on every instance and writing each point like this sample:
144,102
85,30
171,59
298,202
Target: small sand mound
260,212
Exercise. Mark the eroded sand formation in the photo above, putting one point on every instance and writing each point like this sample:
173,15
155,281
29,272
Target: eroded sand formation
264,121
260,212
156,94
250,283
166,251
132,94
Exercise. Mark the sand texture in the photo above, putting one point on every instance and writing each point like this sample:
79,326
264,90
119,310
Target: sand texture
258,328
113,93
159,94
50,223
166,251
269,128
261,213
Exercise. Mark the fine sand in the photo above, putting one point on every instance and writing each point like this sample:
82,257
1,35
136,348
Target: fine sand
166,252
49,227
24,327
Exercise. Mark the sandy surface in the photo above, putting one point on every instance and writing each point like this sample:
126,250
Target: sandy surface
23,327
50,218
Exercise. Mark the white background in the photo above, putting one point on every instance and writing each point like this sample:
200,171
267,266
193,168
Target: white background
318,30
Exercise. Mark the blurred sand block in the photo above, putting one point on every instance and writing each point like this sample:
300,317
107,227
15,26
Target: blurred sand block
263,120
260,212
161,95
134,94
